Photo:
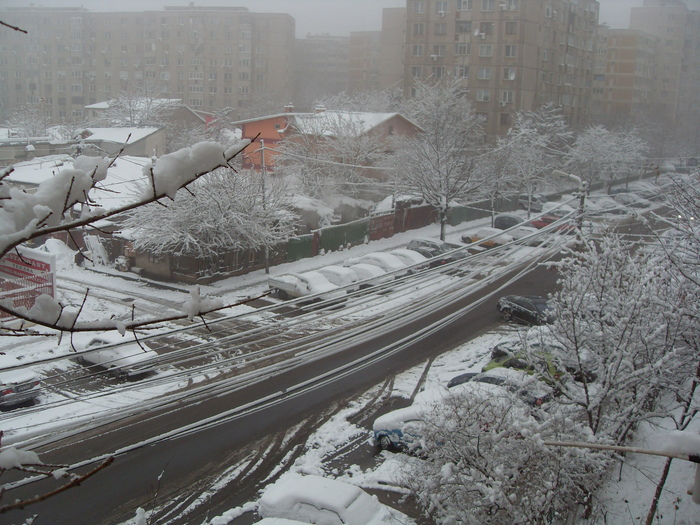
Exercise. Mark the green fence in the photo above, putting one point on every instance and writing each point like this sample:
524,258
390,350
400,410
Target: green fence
333,238
300,247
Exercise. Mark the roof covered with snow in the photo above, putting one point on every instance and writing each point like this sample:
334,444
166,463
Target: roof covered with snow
120,135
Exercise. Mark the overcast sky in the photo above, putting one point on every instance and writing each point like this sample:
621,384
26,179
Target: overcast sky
336,17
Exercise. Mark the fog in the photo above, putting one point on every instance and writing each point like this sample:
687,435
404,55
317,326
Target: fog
335,17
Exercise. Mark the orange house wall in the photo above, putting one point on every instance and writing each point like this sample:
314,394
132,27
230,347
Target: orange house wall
269,133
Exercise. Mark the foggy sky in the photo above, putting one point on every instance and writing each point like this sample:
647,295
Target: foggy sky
336,17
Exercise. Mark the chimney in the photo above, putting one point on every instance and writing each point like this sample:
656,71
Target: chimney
289,108
320,109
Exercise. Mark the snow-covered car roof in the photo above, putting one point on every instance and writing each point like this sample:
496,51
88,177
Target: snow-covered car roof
385,260
408,257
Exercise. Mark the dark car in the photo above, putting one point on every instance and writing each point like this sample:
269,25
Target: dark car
439,252
530,309
535,202
503,221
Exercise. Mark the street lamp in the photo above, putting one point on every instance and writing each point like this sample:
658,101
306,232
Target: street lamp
582,189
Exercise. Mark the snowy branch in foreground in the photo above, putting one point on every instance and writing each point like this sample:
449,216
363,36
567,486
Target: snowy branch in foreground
51,208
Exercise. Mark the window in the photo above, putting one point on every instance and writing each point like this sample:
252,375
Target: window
485,50
463,26
510,51
487,5
486,28
484,73
418,30
440,28
461,71
416,71
507,97
439,50
438,72
511,28
441,7
505,119
418,50
483,95
508,73
464,5
461,48
419,7
510,5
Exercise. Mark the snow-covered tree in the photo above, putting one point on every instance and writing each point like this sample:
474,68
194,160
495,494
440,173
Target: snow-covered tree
533,147
331,153
29,121
144,104
223,211
600,154
441,163
50,209
483,460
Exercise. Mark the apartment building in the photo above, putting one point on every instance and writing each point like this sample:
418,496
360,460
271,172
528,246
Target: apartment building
321,68
364,66
676,24
510,55
624,74
393,47
209,57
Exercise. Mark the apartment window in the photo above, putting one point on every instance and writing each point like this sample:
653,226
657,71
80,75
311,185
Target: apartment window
464,5
228,90
461,71
165,75
419,7
196,102
511,5
508,73
441,7
150,74
196,75
483,95
244,90
438,72
76,88
213,75
440,28
228,49
416,71
439,50
461,48
228,76
511,28
244,76
505,119
487,5
418,30
510,51
463,26
245,62
484,73
77,73
545,55
196,89
486,50
486,28
77,48
418,50
507,97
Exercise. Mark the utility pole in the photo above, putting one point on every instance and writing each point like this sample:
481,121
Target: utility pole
264,201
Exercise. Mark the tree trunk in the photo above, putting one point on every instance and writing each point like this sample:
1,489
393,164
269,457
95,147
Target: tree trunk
657,494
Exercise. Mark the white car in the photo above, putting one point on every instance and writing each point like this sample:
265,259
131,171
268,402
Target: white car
18,387
124,357
294,285
493,236
410,258
387,262
370,275
521,232
340,276
325,501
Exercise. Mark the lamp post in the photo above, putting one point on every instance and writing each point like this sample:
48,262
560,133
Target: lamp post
582,189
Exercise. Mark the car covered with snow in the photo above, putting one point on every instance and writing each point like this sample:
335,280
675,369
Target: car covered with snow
340,276
121,356
487,237
631,199
18,387
503,221
313,283
438,252
410,258
527,387
325,501
370,275
386,261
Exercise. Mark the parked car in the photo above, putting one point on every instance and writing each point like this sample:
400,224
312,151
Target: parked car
558,210
503,221
295,285
530,309
325,501
631,199
494,237
370,275
521,232
387,262
340,276
528,388
543,221
603,205
439,252
535,201
126,359
18,387
410,258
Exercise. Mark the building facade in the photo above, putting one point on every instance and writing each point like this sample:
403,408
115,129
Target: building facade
209,57
510,55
